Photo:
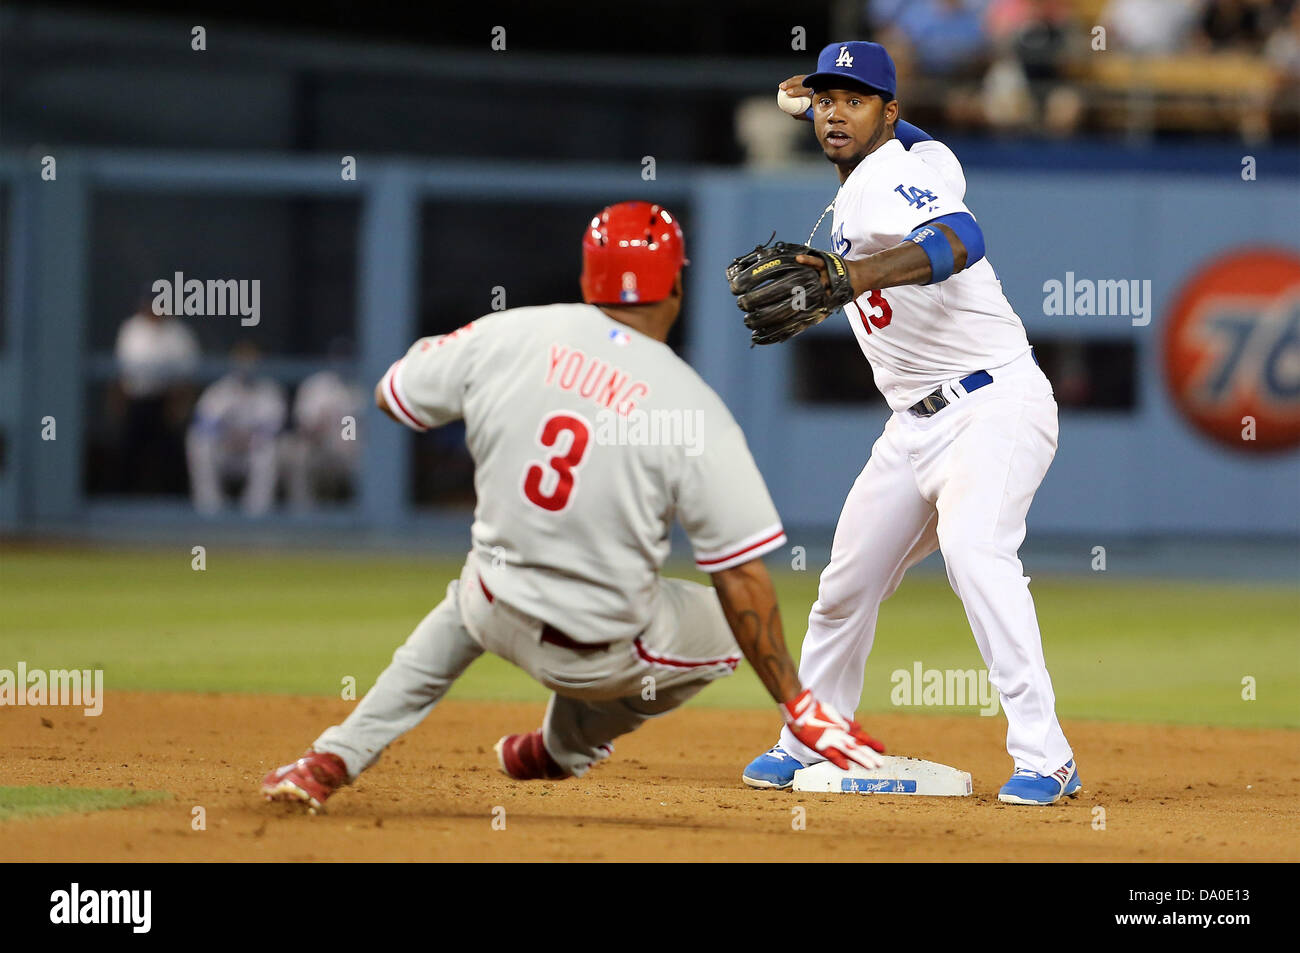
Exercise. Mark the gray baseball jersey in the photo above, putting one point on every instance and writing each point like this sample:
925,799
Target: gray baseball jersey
588,439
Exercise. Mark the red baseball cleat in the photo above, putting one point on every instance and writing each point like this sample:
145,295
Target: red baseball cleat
310,780
525,758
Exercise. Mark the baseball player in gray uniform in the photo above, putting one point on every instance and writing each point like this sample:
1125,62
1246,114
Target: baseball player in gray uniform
577,416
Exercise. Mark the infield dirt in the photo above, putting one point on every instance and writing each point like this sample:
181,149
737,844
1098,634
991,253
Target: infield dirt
672,791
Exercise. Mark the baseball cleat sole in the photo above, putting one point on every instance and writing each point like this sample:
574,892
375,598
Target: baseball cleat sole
286,792
767,785
1013,799
501,755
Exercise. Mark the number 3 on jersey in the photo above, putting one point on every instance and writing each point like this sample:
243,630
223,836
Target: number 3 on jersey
551,486
881,313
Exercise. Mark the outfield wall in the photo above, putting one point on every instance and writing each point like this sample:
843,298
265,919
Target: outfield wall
1137,471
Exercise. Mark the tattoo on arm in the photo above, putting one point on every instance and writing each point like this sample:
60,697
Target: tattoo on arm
775,665
749,604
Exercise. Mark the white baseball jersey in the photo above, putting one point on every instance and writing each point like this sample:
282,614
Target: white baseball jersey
240,412
154,353
918,336
588,439
320,405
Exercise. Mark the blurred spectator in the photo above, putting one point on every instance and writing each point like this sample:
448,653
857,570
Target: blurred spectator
1282,51
1036,32
881,13
322,454
935,40
1283,47
233,437
1239,25
1027,84
156,357
767,135
1149,27
946,36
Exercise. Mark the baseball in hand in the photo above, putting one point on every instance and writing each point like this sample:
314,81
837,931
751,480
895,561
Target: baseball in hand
794,105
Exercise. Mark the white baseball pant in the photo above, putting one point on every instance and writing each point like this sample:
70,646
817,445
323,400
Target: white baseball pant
960,481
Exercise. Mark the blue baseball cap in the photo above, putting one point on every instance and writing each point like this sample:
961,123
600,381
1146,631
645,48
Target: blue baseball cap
867,64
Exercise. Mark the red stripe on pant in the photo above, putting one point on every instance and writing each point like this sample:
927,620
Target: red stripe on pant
731,661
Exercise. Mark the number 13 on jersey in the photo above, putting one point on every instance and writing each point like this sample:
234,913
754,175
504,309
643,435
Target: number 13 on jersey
551,485
880,314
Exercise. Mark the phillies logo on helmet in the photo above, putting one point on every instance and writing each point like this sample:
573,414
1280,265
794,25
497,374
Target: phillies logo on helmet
632,253
629,287
1232,350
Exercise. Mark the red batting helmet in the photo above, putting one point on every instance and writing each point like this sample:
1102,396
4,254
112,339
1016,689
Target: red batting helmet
631,253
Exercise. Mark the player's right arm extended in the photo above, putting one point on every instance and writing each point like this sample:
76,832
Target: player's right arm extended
382,403
426,387
749,603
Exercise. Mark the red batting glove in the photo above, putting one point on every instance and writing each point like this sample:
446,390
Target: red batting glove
825,731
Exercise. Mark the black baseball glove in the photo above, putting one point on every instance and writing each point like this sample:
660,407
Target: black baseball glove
781,296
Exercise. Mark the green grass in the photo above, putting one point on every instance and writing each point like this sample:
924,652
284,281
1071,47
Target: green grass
42,801
1132,650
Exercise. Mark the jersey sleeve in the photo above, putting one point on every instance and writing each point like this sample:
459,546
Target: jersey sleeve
905,195
723,503
426,388
943,160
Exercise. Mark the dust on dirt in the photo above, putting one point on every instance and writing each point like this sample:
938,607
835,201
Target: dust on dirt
672,791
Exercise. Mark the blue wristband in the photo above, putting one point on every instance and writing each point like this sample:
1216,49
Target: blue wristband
937,248
965,227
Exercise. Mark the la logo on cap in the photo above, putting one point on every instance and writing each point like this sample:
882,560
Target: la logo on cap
844,59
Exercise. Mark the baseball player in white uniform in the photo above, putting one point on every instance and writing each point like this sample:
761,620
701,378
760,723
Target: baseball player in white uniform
235,436
579,474
973,429
322,450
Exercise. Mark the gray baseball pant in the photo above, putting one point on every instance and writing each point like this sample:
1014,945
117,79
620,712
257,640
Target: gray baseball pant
598,694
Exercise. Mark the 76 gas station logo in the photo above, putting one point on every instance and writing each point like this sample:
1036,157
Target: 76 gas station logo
1254,348
1232,349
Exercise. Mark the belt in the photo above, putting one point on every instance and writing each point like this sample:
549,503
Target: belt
553,635
931,404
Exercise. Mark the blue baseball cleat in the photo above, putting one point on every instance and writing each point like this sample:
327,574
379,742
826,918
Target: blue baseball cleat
773,769
1075,784
1030,787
